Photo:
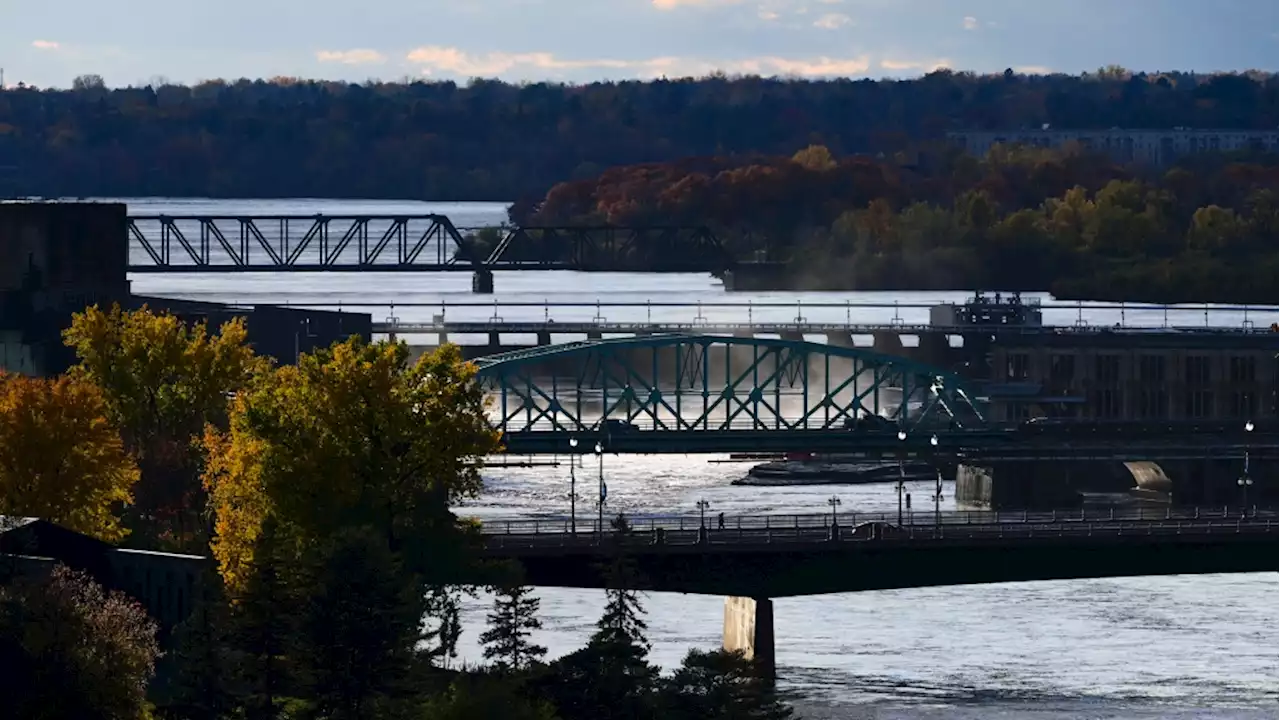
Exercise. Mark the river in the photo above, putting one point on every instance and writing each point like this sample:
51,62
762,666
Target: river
1170,647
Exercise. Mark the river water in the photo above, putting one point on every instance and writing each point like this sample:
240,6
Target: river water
1172,647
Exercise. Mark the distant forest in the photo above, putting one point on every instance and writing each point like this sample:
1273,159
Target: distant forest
490,140
851,182
1068,221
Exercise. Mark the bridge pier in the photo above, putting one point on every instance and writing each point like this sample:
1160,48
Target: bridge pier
482,282
748,626
888,343
544,338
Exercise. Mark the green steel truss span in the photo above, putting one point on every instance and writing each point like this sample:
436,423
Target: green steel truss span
692,384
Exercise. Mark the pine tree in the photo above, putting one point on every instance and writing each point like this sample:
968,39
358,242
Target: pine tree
359,622
261,628
611,676
511,624
198,689
719,684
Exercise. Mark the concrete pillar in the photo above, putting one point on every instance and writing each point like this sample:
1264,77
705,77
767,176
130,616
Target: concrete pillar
482,282
888,342
544,338
748,626
840,339
442,339
792,336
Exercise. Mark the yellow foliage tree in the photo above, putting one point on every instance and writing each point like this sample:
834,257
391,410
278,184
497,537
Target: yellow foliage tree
61,459
351,437
163,381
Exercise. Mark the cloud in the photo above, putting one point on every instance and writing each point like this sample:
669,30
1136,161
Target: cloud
767,15
673,4
1033,70
920,65
969,22
358,56
832,21
452,61
45,45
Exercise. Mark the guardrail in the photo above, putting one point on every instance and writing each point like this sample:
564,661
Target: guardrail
919,518
888,534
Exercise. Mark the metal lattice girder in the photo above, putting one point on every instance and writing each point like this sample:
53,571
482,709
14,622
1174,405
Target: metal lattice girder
702,383
233,243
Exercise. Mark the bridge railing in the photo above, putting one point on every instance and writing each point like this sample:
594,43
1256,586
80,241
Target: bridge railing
907,533
916,518
1008,532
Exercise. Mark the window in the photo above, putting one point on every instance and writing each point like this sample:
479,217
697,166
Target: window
1151,368
1018,366
1198,404
1062,368
1244,404
1197,370
1153,404
1243,369
1107,368
1106,403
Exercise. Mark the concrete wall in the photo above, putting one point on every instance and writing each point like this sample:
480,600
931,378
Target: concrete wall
56,258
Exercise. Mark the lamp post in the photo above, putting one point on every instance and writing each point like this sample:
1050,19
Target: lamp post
937,488
1245,480
702,520
573,487
834,502
603,490
902,474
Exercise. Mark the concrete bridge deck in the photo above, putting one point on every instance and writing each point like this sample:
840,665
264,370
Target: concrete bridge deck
750,566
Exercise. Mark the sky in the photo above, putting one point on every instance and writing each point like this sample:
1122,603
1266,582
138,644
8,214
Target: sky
136,42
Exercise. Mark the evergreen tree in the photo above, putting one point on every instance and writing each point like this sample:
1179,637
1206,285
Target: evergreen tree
261,627
719,684
359,625
198,689
511,623
611,677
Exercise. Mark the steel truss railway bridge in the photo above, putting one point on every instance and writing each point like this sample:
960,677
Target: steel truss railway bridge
420,243
708,394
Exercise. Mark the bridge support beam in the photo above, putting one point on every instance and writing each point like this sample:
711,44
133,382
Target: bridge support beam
748,626
482,282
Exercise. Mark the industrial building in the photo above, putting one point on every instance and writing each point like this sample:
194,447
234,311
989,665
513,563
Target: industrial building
57,258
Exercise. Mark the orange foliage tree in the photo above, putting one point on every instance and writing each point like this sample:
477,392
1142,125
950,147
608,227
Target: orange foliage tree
61,459
163,381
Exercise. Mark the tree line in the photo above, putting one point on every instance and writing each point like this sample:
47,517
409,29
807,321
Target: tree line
489,140
1070,221
323,493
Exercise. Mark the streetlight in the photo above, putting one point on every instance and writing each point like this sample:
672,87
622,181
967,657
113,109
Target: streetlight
902,475
834,502
604,491
1245,481
573,487
702,513
937,489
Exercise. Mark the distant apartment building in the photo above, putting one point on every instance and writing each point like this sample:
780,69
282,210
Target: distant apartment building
1149,147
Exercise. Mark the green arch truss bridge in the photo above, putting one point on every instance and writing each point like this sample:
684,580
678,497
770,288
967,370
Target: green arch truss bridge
701,393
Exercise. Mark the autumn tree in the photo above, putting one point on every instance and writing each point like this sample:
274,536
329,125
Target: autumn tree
353,437
70,649
163,381
61,459
511,623
719,684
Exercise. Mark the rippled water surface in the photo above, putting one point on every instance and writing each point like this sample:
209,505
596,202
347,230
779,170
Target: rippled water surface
1170,647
